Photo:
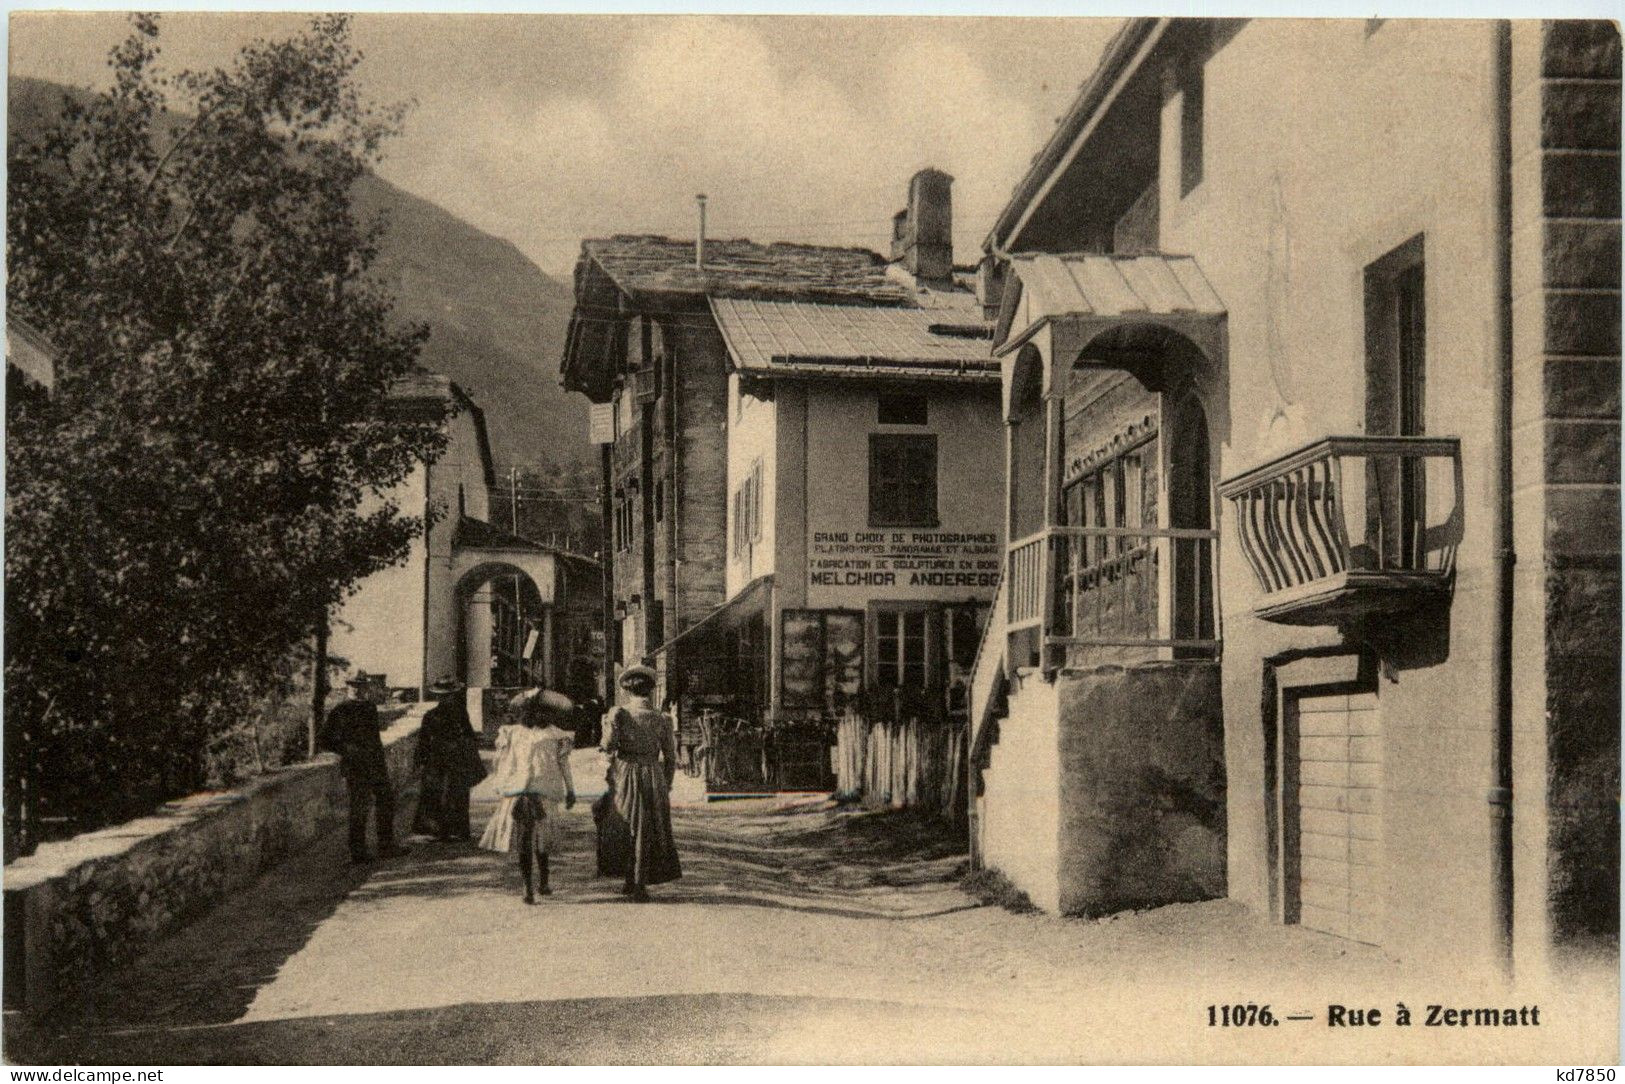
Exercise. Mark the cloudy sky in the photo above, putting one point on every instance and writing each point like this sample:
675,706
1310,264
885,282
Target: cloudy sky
546,128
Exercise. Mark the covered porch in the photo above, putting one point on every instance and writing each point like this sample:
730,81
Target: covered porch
1097,764
1109,365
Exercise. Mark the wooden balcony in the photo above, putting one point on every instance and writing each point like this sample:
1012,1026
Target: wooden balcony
1351,527
1080,596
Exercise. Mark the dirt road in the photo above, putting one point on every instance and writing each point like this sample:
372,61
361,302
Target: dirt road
797,934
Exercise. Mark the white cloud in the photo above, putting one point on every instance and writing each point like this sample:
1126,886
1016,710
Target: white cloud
786,152
545,129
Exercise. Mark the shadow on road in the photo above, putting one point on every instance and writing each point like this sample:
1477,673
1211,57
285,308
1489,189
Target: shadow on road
842,864
852,865
200,977
668,1029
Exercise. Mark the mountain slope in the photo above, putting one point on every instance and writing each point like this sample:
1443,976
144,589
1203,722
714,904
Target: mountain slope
497,323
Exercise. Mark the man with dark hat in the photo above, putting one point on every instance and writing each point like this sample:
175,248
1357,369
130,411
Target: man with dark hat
448,757
353,731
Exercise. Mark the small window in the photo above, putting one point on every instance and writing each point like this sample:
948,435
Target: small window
902,480
1190,128
902,410
747,510
624,505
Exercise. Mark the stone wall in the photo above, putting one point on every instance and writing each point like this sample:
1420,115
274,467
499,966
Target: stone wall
1566,434
76,909
1142,786
1105,788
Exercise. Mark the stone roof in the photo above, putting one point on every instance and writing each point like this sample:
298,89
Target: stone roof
641,264
422,395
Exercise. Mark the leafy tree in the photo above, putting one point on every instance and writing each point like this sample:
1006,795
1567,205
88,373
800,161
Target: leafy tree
205,482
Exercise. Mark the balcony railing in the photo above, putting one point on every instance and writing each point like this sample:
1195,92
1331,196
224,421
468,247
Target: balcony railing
1098,594
1349,527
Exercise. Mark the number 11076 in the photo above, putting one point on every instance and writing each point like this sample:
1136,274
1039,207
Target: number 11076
1240,1016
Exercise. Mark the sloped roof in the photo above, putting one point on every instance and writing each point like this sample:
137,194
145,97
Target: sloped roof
645,264
476,534
1102,285
787,336
408,394
30,352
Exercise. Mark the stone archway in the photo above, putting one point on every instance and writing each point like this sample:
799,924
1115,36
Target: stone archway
503,603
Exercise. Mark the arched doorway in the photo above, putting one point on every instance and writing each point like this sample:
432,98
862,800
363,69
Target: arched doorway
1137,458
501,627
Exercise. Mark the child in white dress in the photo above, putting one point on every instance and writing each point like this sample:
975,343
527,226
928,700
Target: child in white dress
533,777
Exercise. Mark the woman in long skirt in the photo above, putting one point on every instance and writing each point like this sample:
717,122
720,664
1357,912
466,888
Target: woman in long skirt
448,761
533,777
634,829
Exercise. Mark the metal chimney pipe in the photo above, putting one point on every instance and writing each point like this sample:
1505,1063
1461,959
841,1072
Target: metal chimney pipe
699,239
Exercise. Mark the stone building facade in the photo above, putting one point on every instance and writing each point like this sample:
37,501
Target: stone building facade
450,608
1387,354
746,392
644,346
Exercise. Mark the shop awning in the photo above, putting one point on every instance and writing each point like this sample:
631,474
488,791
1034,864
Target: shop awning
1076,298
749,598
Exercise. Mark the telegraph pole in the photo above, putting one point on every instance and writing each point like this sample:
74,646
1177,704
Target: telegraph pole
518,609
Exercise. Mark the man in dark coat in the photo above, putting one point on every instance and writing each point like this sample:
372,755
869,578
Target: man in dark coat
447,749
353,731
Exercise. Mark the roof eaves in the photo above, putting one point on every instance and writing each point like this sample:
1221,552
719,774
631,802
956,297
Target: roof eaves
889,368
1115,66
482,435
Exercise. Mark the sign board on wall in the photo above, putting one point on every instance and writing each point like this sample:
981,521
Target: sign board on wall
601,423
905,563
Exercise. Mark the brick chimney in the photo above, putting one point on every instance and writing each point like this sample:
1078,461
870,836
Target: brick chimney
928,231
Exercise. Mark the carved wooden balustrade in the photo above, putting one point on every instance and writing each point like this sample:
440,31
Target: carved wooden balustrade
1349,527
1079,595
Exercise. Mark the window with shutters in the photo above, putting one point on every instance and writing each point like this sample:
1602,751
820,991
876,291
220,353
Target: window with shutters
902,480
747,510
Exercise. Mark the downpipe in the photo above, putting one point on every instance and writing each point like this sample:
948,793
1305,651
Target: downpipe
1500,794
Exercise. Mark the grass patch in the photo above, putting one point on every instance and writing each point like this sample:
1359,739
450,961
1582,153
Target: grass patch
994,888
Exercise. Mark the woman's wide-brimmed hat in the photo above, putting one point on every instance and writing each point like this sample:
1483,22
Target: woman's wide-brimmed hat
542,699
633,673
